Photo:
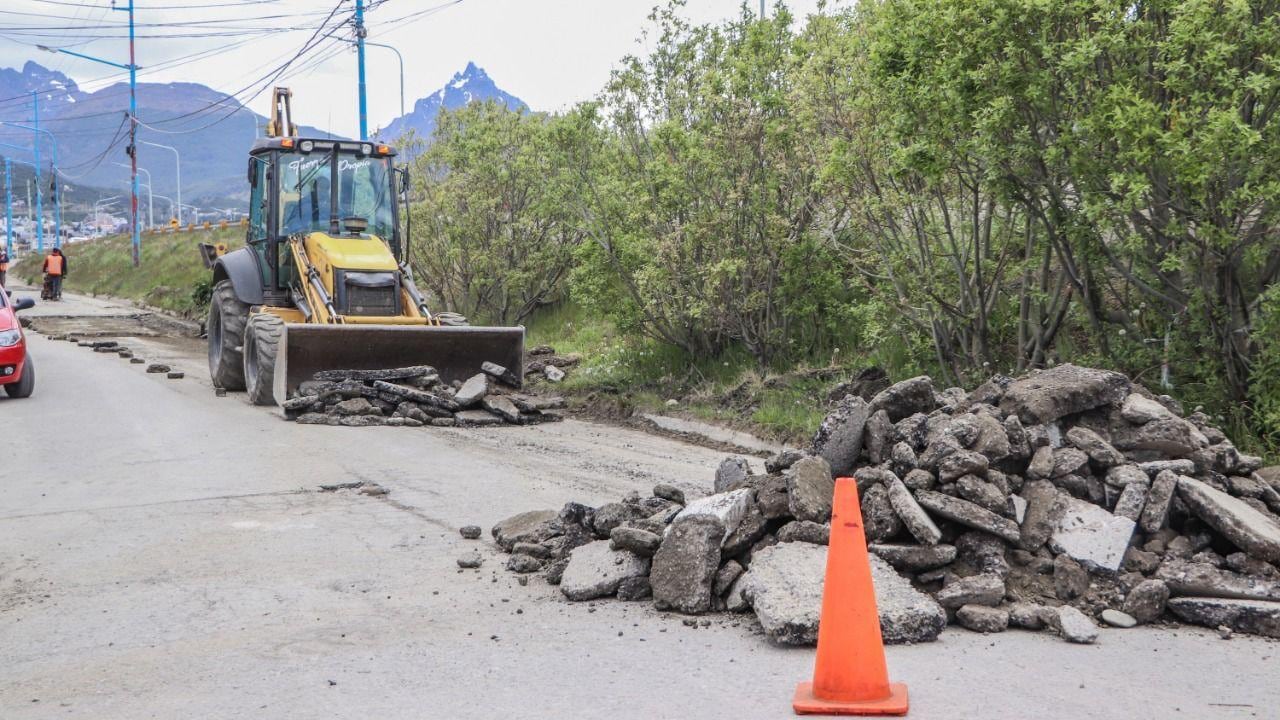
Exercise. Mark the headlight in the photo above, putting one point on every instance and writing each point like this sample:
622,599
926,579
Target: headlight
306,146
9,338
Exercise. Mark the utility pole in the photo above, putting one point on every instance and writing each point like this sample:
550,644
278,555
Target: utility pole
35,102
361,32
133,139
761,9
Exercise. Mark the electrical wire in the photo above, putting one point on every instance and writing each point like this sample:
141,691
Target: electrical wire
166,65
312,42
119,136
242,3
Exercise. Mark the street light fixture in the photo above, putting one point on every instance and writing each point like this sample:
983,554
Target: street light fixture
399,57
57,193
178,161
151,202
169,200
39,194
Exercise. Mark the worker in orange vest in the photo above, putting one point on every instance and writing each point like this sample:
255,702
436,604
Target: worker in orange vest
4,265
55,268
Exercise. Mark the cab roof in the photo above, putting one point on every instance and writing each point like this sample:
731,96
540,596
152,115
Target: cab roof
367,147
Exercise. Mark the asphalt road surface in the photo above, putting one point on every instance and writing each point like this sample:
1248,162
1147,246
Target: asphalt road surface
166,553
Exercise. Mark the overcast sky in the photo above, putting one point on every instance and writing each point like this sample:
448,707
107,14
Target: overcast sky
550,53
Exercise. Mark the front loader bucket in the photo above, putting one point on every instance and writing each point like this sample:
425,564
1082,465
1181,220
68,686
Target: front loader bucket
455,352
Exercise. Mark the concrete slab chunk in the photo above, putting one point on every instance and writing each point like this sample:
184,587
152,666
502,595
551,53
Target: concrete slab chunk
729,508
839,437
684,568
918,522
1205,580
1251,530
1075,626
472,391
533,526
966,513
1156,512
985,589
1131,502
915,558
596,571
810,487
784,586
1092,535
1253,617
1063,390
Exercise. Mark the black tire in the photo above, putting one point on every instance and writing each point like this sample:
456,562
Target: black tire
261,344
227,318
27,385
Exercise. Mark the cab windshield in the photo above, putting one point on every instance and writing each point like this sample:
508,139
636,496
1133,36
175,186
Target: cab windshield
306,192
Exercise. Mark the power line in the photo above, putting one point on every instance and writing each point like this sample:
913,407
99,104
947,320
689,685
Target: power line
312,42
165,65
118,137
242,3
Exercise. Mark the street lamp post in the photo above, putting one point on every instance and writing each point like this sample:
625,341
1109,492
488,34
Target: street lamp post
132,67
151,203
57,194
9,193
178,162
398,57
98,208
98,204
172,206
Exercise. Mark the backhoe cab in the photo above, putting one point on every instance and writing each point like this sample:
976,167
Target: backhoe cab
322,283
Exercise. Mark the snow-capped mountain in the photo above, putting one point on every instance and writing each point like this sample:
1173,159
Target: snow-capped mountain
211,131
56,90
473,83
86,124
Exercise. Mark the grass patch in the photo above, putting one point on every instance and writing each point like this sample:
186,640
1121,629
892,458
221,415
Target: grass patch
793,412
171,275
646,374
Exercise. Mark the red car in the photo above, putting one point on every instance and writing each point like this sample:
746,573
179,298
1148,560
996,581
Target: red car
17,372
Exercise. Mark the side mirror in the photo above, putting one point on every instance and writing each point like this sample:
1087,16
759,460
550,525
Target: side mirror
404,180
253,176
25,303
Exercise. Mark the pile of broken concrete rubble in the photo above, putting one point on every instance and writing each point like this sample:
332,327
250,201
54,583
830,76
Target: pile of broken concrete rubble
1066,497
417,397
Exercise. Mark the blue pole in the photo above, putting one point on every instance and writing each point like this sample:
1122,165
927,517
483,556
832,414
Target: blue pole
57,198
8,209
133,139
35,100
360,33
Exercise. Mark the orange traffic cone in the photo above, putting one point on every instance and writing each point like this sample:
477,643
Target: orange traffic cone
849,674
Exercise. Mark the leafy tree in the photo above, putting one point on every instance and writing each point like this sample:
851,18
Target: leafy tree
492,235
700,197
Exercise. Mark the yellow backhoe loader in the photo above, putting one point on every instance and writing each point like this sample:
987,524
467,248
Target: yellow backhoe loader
323,282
